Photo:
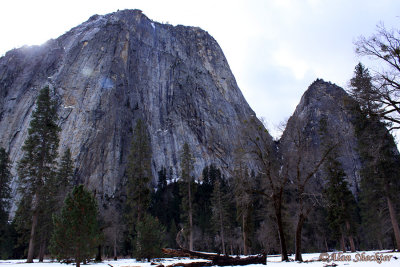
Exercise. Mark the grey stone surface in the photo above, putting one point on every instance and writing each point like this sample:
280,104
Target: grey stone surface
112,70
328,101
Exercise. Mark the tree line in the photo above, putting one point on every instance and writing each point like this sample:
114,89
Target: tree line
48,218
277,208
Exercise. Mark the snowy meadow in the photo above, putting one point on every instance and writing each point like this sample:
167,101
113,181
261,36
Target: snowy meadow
361,258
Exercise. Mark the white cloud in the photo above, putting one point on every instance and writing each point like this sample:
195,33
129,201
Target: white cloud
285,57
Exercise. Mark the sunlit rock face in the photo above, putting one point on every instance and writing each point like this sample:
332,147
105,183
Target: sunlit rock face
112,70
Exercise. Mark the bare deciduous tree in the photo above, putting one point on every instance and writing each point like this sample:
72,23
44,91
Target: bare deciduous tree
301,165
384,46
261,146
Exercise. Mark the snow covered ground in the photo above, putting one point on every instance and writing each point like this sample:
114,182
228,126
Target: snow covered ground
367,259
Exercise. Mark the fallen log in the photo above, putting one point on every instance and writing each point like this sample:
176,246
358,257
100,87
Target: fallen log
191,254
223,261
192,264
216,259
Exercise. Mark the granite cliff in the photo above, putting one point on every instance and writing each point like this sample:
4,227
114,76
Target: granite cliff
112,70
325,103
117,68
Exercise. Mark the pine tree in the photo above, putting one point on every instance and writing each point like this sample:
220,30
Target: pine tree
5,190
379,176
165,203
362,90
37,166
244,203
220,212
151,238
373,211
56,189
76,232
203,205
5,195
138,180
187,190
65,171
159,199
341,205
23,222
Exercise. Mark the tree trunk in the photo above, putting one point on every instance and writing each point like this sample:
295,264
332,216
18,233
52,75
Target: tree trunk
380,244
299,228
138,244
115,247
395,224
326,245
190,218
278,215
351,240
222,238
343,243
31,248
98,256
244,236
77,258
42,250
221,225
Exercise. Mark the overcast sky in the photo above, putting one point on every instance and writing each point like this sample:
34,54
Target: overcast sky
275,48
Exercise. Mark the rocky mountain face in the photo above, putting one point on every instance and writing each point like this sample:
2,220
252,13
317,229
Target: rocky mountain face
324,104
115,69
112,70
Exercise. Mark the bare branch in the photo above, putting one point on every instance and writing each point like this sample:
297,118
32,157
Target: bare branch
385,47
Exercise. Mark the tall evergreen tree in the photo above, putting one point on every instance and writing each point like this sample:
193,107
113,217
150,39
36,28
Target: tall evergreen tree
151,238
138,180
38,164
373,210
187,190
341,205
23,221
165,202
5,190
5,195
362,90
159,199
203,205
220,212
65,173
56,190
76,234
380,173
244,203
